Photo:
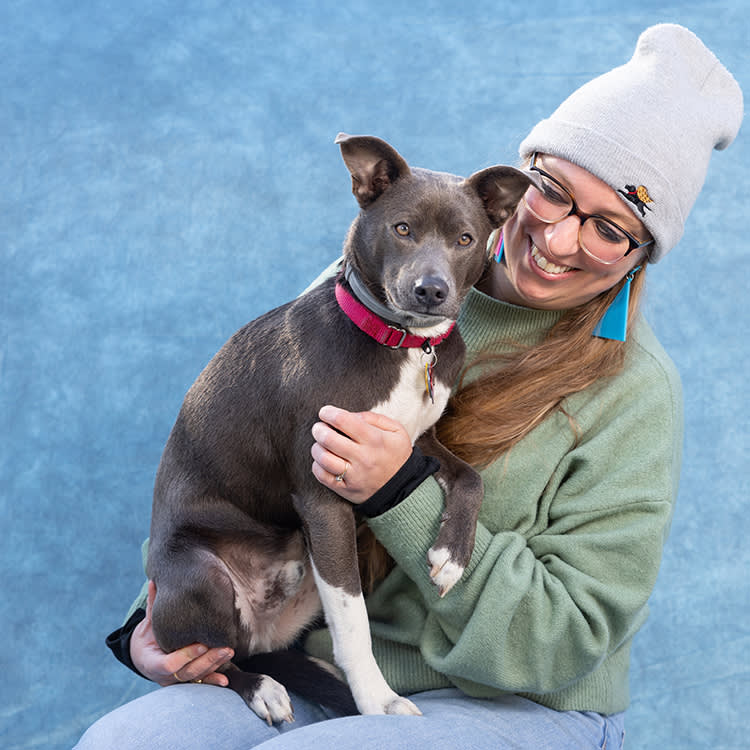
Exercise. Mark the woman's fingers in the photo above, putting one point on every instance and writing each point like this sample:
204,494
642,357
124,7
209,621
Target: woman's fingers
197,663
358,426
356,453
193,663
329,452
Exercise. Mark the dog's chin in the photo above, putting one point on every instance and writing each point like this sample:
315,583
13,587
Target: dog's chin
445,312
424,321
429,314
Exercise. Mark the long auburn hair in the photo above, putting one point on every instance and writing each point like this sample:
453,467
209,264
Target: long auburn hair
515,391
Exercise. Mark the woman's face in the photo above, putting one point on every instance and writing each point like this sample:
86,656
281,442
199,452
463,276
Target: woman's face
544,266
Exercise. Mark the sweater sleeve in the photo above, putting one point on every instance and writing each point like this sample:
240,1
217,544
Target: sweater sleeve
545,600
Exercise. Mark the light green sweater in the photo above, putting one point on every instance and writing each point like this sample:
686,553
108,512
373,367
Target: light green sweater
567,550
568,545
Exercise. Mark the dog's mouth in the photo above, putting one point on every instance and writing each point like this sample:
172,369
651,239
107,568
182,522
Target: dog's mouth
417,310
383,303
418,315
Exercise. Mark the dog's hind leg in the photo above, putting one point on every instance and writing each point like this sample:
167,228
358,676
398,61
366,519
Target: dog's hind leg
194,599
196,603
331,535
462,485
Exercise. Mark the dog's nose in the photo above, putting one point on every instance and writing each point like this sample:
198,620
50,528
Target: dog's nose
431,291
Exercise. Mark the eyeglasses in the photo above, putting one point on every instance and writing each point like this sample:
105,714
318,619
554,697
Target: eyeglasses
599,237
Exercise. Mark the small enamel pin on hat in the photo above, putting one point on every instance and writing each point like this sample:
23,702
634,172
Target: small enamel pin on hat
639,196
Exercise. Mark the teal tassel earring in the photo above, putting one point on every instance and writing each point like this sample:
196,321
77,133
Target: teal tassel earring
500,250
614,323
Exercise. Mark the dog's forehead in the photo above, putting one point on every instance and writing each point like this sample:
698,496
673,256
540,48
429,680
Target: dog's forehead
438,196
430,176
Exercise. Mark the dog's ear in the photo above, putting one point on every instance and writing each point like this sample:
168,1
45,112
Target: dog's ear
373,164
500,189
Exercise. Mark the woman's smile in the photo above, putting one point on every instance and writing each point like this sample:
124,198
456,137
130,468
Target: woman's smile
546,266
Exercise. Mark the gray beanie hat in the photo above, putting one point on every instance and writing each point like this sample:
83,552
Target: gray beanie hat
647,128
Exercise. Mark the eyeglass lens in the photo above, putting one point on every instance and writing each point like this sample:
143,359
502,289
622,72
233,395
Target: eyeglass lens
600,238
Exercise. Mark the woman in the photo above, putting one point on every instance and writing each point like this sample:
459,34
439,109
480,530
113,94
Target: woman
573,413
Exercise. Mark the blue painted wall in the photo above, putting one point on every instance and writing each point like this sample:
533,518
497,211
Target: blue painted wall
168,172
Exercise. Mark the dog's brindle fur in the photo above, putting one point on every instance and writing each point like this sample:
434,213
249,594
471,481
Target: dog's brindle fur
245,544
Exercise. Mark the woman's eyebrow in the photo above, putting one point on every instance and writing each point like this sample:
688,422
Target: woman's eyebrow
620,216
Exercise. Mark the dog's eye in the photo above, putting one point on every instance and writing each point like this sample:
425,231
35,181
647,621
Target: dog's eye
465,239
402,229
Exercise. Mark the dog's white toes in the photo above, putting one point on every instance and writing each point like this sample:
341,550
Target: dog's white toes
402,707
437,557
271,702
444,572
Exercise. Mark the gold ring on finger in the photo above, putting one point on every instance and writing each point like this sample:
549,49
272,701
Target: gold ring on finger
340,477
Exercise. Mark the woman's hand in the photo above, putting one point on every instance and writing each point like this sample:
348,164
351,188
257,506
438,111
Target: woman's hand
195,663
370,451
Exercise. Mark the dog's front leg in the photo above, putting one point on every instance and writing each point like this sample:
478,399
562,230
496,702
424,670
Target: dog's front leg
451,552
331,535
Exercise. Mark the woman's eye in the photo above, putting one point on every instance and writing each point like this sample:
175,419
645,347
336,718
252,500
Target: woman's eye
554,194
402,229
465,239
607,232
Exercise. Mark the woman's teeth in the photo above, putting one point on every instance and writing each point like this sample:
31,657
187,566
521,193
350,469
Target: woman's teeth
546,265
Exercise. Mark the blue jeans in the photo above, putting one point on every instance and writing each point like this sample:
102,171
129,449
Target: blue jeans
203,716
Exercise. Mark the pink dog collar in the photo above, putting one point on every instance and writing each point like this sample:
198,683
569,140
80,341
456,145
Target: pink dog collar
375,327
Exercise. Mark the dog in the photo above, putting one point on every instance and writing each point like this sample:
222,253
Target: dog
246,546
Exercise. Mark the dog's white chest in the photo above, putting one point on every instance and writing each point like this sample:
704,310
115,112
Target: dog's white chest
409,402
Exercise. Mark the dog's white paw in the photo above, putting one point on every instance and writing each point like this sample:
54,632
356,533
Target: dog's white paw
402,707
444,572
388,703
271,702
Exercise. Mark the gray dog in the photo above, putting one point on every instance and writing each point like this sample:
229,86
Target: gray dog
246,546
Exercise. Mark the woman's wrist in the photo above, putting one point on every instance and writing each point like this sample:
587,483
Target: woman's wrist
412,473
119,641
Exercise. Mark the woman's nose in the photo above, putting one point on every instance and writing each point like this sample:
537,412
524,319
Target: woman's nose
562,237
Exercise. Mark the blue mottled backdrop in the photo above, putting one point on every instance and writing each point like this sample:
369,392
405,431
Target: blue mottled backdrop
168,171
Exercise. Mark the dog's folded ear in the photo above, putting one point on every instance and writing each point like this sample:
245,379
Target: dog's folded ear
374,165
500,189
